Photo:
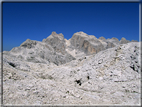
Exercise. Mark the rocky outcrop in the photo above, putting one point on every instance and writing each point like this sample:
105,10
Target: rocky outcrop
123,41
89,44
134,41
86,43
78,39
56,41
102,38
55,49
113,40
50,50
28,44
92,46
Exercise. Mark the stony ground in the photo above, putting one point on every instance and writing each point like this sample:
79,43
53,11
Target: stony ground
110,77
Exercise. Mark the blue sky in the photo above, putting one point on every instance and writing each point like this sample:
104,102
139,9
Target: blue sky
36,21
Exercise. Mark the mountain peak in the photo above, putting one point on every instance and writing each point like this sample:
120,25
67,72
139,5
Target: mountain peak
28,43
102,38
81,33
53,33
115,39
123,40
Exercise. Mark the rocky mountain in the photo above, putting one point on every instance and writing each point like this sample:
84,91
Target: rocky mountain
81,70
56,49
50,50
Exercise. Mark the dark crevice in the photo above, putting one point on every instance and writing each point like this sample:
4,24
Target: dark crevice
78,82
12,64
88,77
132,67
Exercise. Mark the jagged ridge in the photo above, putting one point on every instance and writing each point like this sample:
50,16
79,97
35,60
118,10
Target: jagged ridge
56,49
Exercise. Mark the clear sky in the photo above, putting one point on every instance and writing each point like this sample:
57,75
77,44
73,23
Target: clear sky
36,21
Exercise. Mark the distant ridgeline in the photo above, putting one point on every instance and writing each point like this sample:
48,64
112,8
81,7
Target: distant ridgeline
58,50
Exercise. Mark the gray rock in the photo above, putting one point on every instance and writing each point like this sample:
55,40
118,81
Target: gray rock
50,50
110,45
134,41
56,41
102,38
123,41
28,44
38,73
87,44
113,40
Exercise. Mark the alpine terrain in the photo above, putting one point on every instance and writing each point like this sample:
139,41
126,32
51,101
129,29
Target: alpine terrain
83,70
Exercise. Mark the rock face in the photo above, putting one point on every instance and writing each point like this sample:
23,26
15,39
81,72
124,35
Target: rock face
28,44
82,70
56,41
50,50
89,44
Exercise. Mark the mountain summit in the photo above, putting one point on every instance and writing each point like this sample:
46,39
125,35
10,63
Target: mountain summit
56,49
